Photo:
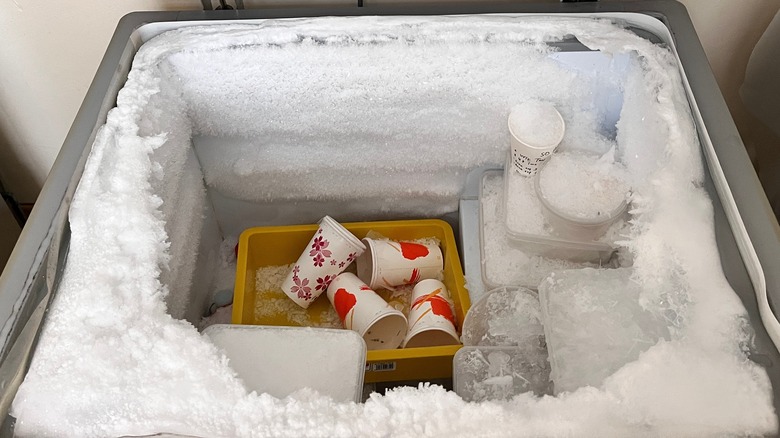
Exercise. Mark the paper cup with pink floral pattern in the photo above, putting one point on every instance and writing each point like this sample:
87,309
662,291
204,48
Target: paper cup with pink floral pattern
431,319
362,310
330,251
387,263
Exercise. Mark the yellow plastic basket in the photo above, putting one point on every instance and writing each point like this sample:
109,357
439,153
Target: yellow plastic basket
281,245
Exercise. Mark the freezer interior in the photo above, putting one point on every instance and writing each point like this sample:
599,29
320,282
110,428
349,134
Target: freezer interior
226,126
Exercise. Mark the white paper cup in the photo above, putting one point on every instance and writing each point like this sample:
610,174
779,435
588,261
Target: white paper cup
362,310
536,129
329,252
431,319
387,263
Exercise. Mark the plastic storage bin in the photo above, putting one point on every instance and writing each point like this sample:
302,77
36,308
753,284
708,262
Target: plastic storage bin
273,246
565,224
550,246
556,252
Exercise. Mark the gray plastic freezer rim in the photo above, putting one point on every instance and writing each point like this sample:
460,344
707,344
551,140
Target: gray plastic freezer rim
33,271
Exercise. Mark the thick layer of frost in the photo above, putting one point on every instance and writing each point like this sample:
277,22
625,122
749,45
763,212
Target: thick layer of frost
112,361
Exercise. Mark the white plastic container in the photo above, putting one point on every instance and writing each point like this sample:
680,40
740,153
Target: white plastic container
282,360
549,243
549,246
504,261
583,226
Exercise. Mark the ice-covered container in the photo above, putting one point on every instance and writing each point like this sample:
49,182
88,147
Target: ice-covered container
552,246
583,223
499,373
519,260
504,351
539,217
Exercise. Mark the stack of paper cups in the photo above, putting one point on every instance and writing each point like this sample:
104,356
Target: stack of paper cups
387,264
329,252
362,310
431,320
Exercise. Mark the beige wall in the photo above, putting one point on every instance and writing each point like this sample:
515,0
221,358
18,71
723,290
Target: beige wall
51,49
49,54
728,30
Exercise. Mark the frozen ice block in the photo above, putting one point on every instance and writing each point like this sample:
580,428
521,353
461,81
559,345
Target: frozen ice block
506,316
500,373
505,351
594,324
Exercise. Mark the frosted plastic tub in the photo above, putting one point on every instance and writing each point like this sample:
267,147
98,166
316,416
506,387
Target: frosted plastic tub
565,224
746,228
550,246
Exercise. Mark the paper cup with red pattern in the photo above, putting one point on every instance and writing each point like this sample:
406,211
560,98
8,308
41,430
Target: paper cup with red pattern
362,310
329,252
387,263
431,319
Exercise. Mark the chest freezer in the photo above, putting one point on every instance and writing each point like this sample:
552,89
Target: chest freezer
748,242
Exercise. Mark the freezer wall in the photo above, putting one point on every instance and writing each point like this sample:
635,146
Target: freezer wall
288,128
193,234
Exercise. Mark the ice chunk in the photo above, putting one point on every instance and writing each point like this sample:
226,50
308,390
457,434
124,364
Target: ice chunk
505,352
507,316
608,72
499,373
594,325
